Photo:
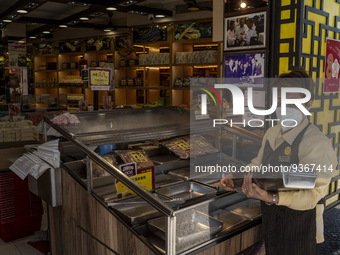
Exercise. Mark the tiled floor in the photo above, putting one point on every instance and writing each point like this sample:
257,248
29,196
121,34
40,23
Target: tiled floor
18,247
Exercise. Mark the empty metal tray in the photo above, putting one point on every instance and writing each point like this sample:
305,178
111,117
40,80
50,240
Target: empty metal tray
186,190
162,180
136,214
230,220
183,173
250,208
195,226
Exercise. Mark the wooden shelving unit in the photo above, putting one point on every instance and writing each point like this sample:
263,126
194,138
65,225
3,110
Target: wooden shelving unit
135,82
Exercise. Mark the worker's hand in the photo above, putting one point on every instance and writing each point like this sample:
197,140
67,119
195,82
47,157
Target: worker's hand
254,191
227,183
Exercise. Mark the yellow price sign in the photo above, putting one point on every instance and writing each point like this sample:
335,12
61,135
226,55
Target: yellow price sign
100,78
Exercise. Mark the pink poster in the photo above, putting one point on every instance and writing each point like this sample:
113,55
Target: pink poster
332,66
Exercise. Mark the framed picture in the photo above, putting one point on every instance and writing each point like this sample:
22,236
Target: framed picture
149,34
245,69
123,42
193,31
70,46
245,32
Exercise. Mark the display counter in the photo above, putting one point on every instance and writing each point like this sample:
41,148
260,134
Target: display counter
183,213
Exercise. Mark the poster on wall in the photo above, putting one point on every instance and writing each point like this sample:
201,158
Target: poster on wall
245,32
16,55
193,31
245,69
332,66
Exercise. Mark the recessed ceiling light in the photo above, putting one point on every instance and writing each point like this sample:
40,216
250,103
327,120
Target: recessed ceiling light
22,11
111,8
33,37
7,20
127,3
78,3
46,32
63,26
31,5
159,16
13,16
243,5
84,18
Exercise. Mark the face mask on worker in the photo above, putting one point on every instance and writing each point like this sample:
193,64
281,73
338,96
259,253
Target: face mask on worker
292,118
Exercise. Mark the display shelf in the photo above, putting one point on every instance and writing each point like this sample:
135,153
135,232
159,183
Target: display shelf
208,65
71,53
129,87
151,76
68,70
161,88
45,71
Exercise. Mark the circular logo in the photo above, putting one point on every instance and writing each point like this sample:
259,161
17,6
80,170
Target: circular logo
288,150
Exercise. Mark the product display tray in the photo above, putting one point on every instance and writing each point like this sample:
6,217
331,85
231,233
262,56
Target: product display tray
136,214
188,191
162,180
250,208
195,227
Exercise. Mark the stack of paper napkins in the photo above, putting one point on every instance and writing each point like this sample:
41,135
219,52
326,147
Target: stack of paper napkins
37,162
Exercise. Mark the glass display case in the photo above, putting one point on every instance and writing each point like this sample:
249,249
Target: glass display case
181,212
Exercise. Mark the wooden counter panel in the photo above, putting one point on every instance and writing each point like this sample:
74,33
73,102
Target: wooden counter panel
83,226
237,243
85,220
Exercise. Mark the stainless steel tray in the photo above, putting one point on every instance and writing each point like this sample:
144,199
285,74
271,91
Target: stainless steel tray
186,190
136,214
196,228
183,173
227,200
230,220
250,208
162,180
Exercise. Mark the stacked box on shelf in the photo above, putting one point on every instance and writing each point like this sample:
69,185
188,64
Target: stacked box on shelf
207,56
154,59
17,131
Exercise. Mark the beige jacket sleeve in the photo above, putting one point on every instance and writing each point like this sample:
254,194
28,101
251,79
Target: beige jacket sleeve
313,151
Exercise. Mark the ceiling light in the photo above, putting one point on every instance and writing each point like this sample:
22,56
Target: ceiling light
243,5
22,11
84,18
33,37
78,3
31,5
107,30
111,8
63,26
127,3
193,8
159,16
21,41
13,16
46,32
7,20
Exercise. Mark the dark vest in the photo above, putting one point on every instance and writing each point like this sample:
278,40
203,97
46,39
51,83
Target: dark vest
287,231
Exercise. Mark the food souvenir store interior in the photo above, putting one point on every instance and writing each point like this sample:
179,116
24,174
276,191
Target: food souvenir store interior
102,121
